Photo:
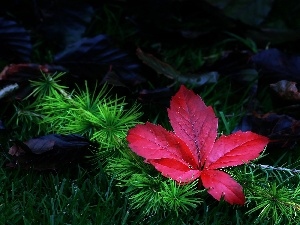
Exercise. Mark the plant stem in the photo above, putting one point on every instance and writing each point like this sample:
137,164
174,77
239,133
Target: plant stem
268,167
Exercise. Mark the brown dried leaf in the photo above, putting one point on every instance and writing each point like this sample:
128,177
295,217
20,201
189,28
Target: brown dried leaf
286,90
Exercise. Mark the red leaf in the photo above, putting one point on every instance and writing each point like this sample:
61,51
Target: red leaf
172,168
220,184
168,153
193,122
192,149
235,149
154,142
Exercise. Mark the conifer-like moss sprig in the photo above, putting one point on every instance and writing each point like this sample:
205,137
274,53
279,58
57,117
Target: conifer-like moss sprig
99,117
159,195
274,195
149,191
114,121
277,203
47,85
25,122
26,119
67,113
94,114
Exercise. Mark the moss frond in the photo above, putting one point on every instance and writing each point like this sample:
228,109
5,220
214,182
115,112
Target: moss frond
47,85
273,195
26,120
149,191
277,203
94,114
114,121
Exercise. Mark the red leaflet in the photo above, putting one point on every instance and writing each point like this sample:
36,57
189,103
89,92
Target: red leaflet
192,151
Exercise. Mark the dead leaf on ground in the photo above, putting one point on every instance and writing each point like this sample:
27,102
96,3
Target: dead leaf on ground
286,90
50,152
282,130
167,70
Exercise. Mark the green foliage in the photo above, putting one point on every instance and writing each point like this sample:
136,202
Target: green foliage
127,164
272,193
114,121
181,197
148,191
127,190
93,114
249,43
27,119
277,202
31,198
49,108
156,195
47,85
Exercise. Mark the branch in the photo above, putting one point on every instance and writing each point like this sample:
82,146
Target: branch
268,167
